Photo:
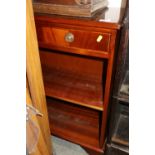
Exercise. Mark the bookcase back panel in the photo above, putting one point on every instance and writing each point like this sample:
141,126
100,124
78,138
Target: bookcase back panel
86,68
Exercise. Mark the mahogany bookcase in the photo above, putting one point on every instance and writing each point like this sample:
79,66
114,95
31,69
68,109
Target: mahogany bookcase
78,58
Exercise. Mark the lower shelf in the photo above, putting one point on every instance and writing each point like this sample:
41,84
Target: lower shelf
74,123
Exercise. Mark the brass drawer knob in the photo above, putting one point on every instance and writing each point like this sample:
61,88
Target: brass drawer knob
99,38
69,37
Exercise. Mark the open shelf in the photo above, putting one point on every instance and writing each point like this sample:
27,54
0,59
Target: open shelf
74,122
73,79
72,88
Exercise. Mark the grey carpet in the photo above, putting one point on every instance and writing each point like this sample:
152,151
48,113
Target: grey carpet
63,147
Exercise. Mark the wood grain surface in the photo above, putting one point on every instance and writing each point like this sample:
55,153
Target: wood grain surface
55,36
83,8
35,82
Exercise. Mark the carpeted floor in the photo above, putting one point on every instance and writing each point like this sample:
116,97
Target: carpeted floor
63,147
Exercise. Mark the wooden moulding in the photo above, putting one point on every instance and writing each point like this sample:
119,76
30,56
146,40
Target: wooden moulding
80,8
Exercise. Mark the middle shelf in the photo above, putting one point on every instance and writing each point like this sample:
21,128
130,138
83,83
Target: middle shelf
83,87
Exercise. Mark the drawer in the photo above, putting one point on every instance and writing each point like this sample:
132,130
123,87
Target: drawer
73,38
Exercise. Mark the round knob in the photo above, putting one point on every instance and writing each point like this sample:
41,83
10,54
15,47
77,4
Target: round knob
69,37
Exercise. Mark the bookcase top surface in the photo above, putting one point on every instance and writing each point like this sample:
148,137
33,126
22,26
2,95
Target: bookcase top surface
107,18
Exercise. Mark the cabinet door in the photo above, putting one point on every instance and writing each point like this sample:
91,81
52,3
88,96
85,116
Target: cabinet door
35,88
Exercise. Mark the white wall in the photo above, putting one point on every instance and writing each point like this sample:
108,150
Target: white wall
115,3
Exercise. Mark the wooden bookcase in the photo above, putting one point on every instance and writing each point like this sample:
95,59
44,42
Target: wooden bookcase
77,57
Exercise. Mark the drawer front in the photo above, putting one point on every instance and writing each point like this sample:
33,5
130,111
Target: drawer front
73,38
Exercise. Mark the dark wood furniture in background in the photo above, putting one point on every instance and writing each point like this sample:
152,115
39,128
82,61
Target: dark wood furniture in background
118,136
80,8
77,57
